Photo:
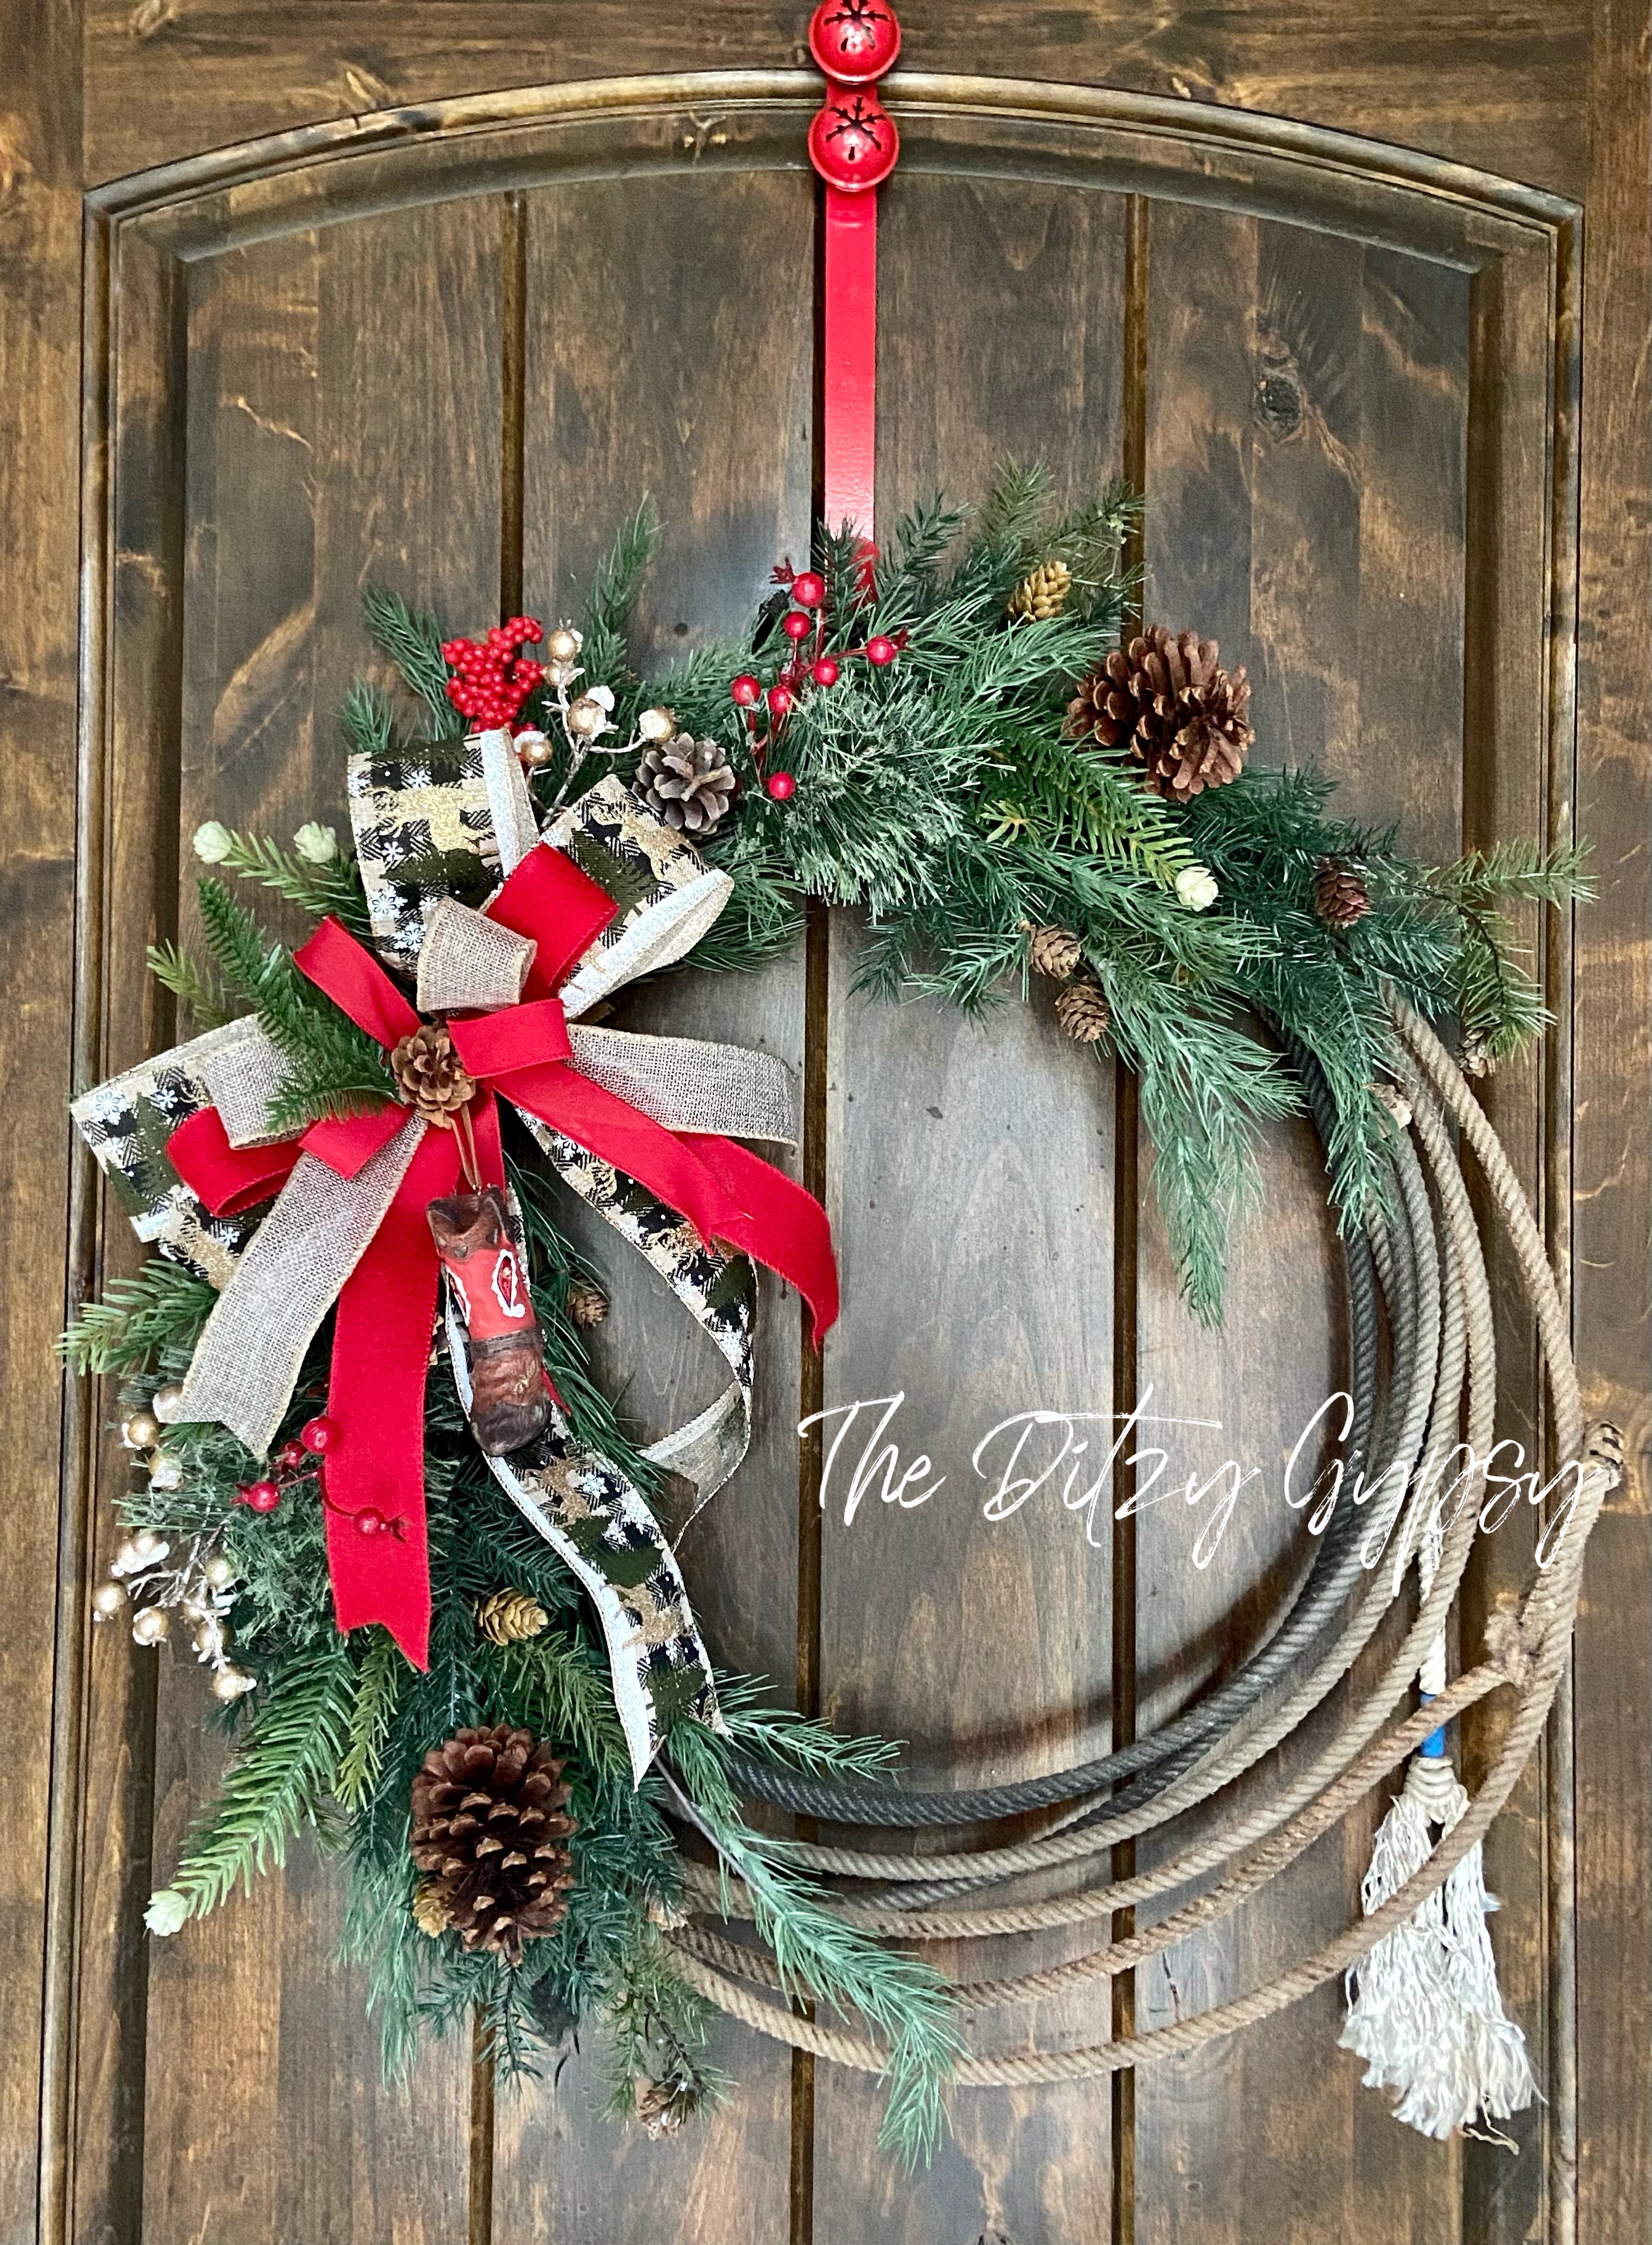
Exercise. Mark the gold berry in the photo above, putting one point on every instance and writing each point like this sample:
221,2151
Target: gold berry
108,1601
151,1626
563,644
141,1431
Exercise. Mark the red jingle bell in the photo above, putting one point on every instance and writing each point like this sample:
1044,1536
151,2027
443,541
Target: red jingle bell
854,41
853,143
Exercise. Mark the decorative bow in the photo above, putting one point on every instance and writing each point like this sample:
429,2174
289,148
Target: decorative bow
349,1224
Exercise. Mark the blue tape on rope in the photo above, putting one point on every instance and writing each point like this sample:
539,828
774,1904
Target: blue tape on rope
1434,1744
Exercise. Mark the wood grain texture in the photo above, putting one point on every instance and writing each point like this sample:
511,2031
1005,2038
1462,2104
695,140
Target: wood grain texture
666,351
975,1243
40,261
169,77
314,463
1307,401
1612,1194
1313,465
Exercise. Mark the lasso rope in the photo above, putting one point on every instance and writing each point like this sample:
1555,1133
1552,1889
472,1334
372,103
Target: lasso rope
1428,1260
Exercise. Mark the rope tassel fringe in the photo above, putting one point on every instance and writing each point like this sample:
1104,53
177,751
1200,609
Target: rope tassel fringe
1426,2013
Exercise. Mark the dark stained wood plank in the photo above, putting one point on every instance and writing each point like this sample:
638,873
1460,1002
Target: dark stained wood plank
40,265
669,335
1304,480
970,1175
169,77
344,420
130,884
1613,1703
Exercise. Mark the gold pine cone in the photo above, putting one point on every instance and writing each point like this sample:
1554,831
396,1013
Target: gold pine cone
587,1305
1055,952
507,1615
431,1911
1082,1010
1043,594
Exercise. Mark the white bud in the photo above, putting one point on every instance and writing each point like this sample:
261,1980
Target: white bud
219,1572
151,1625
602,693
164,1471
316,843
656,724
167,1912
1196,886
213,842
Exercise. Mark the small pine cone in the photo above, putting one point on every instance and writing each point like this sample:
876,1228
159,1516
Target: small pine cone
662,2106
509,1616
1475,1058
430,1075
1054,952
1043,594
688,783
587,1305
1081,1009
1340,894
487,1816
430,1910
1170,705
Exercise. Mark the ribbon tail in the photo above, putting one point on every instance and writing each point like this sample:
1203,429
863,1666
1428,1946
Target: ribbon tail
380,1355
669,1167
782,1225
600,1526
252,1347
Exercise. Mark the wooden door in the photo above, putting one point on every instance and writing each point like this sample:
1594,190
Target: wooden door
297,298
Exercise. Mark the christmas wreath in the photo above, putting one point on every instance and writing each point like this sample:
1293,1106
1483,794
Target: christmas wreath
429,1581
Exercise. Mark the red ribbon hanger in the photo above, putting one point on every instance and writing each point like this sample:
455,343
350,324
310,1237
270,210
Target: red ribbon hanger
853,144
374,1468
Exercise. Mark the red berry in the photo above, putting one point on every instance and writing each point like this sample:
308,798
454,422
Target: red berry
880,650
781,785
796,624
824,673
746,690
369,1521
808,590
260,1497
320,1436
532,630
291,1455
780,700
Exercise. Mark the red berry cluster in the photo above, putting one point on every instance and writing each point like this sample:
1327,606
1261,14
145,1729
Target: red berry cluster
299,1460
491,677
809,664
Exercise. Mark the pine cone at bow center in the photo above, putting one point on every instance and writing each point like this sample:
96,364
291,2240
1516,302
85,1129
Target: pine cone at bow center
487,1816
430,1075
1171,705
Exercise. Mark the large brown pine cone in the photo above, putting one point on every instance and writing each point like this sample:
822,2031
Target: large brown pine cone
487,1815
1168,701
1340,894
685,782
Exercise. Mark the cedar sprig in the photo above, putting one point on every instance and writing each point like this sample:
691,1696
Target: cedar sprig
412,639
278,1784
165,1303
818,1955
191,984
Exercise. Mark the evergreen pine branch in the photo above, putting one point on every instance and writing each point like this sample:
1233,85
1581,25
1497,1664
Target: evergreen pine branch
164,1304
604,655
233,939
1058,791
276,1784
657,2028
368,721
334,886
1515,872
817,1955
194,985
413,641
372,1711
1014,511
779,1734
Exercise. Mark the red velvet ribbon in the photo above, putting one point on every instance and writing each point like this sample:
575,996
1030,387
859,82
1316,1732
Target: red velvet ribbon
387,1307
848,380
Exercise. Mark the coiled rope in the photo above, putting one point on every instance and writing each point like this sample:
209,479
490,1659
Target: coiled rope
1427,1257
